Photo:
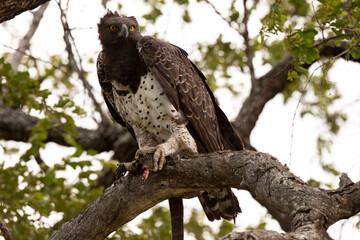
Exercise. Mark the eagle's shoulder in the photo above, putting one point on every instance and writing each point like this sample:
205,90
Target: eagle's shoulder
107,91
149,41
100,66
148,46
105,83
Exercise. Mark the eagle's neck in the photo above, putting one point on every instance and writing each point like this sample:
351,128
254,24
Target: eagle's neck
124,64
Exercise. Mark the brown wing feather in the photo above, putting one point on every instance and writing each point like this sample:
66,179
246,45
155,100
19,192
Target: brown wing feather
185,86
107,92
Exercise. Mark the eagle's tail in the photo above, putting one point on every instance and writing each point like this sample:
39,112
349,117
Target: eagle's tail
220,203
177,218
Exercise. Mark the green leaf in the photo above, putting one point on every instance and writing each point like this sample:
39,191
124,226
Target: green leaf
84,163
92,152
186,16
69,139
63,102
79,111
293,75
153,15
355,52
69,125
78,151
330,168
314,183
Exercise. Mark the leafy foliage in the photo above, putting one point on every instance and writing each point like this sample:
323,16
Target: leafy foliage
19,90
31,199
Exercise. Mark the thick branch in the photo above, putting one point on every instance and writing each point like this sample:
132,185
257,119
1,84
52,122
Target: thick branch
16,125
309,210
11,8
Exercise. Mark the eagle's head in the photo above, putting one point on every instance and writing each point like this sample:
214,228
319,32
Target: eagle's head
114,29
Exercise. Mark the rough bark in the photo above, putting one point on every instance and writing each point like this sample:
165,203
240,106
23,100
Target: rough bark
5,231
310,211
11,8
15,125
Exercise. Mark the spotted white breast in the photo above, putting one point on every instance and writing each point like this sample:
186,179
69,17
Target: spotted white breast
149,108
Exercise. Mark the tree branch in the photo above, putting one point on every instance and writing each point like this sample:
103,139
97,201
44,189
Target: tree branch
5,231
25,42
248,51
76,65
11,8
310,211
16,125
228,21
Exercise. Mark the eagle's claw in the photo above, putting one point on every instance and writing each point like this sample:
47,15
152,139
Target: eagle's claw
122,169
159,158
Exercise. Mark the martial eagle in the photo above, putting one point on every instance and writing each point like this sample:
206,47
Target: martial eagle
161,97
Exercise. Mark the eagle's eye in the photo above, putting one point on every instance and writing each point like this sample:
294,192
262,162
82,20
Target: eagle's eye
131,28
112,28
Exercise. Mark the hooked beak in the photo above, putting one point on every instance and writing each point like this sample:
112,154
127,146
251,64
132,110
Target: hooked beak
124,32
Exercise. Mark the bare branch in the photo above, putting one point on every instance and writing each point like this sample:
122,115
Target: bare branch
228,21
58,67
25,42
248,50
5,231
77,64
11,8
310,211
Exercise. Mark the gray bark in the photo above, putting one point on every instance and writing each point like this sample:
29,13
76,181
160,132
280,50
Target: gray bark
15,125
5,231
11,8
310,211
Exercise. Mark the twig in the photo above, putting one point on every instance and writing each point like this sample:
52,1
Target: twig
303,94
223,18
248,51
317,20
77,65
331,38
244,34
37,59
25,42
5,231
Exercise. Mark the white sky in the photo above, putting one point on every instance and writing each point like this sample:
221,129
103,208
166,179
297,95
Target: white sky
273,132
